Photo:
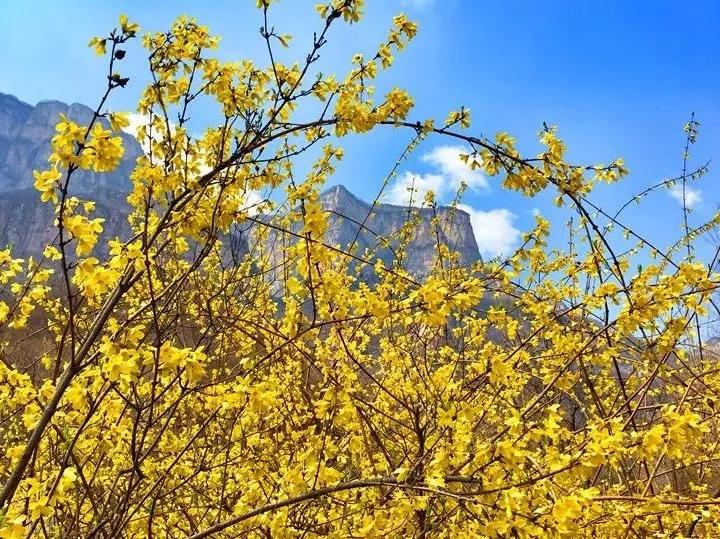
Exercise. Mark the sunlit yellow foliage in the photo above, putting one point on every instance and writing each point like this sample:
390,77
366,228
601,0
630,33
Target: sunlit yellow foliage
305,390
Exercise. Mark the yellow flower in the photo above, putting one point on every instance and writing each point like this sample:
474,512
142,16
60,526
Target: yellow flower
52,253
126,26
99,45
46,182
118,121
12,528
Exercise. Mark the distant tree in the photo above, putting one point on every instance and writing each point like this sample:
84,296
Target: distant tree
185,392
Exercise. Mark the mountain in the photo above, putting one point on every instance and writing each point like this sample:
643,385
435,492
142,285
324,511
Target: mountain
25,133
26,223
373,231
384,221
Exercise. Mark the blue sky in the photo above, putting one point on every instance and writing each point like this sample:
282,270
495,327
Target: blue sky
618,77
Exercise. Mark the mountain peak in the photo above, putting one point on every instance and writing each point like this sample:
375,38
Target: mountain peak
11,100
357,222
338,196
50,103
25,134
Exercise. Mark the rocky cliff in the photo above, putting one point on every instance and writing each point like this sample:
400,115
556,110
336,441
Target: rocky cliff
26,223
372,232
25,133
385,220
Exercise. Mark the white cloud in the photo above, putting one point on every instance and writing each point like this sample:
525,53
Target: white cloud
451,172
693,197
494,231
399,192
253,203
447,159
137,121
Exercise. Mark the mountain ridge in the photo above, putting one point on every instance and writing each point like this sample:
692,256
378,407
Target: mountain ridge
27,223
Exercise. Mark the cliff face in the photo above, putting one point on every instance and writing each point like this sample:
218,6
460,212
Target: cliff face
378,237
385,220
25,134
27,224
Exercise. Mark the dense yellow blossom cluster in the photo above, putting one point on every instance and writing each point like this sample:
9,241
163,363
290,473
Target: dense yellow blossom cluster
174,390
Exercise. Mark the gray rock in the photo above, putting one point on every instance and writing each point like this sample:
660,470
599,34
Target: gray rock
384,222
373,232
25,134
27,224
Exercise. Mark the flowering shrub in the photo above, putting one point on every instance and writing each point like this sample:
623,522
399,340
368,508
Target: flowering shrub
176,394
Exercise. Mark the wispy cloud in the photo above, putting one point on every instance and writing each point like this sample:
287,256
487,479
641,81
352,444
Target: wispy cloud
693,197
